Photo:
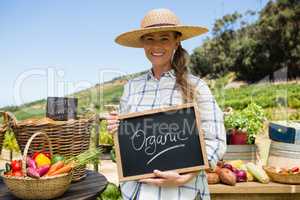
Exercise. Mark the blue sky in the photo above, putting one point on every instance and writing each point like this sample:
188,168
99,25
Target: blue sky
52,48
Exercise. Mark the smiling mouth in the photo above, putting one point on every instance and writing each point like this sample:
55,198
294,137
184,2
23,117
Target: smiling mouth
157,54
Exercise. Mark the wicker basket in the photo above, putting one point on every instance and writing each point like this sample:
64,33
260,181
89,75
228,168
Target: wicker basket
282,178
69,138
43,188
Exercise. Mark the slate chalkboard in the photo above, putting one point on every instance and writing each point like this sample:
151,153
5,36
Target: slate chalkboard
165,139
61,108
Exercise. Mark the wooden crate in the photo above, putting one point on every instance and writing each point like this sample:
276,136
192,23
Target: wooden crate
246,153
284,155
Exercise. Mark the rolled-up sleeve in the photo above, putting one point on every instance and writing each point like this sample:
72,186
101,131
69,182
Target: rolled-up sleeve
212,123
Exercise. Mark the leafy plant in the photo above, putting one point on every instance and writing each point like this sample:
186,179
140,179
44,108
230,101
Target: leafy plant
111,192
91,155
249,120
113,155
10,141
105,137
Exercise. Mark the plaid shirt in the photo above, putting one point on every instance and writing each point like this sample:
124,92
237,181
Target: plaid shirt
146,92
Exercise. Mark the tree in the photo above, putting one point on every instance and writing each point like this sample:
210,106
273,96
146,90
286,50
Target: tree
253,50
214,56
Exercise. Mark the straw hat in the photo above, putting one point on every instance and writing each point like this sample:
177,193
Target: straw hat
155,21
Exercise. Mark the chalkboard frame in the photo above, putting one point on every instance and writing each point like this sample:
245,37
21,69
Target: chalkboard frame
154,111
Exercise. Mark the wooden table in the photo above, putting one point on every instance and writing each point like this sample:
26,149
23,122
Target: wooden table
87,189
255,191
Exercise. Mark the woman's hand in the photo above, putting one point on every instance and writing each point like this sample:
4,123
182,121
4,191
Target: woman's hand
112,122
169,178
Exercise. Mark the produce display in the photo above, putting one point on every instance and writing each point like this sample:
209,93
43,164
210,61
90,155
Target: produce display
284,175
235,171
43,165
285,171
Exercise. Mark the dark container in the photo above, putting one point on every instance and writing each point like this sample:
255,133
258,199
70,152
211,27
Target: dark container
61,108
287,132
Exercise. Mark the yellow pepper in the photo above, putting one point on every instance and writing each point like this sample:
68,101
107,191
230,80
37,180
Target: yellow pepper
42,160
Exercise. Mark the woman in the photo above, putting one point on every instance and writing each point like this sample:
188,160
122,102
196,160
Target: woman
169,83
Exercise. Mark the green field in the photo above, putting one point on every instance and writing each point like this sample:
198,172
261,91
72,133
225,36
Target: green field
280,101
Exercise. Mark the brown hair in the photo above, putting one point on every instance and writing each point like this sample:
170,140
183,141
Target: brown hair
179,64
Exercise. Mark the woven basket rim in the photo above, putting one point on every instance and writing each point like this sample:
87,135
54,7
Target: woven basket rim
283,175
46,121
35,179
283,178
50,122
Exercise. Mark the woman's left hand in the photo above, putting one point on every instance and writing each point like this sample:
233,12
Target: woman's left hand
169,178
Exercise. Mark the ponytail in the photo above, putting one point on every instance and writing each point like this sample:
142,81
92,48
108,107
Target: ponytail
179,64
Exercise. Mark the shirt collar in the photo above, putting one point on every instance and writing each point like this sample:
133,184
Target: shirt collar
169,73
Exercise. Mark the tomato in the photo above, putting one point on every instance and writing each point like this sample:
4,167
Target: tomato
17,173
16,165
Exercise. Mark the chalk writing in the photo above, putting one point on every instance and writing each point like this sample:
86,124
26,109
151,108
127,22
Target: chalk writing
149,144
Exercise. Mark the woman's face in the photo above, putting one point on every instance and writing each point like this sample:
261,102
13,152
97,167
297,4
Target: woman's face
159,47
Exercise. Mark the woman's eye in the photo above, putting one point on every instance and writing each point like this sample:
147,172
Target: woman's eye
149,39
164,39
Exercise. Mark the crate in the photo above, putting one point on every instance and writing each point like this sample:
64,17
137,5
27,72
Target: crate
284,155
246,153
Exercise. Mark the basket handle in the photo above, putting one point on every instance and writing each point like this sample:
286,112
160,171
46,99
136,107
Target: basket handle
3,128
9,119
28,145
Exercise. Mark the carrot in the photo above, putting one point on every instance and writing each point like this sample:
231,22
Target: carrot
55,167
65,169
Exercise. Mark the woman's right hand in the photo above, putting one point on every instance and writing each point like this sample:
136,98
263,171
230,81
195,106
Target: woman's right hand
112,122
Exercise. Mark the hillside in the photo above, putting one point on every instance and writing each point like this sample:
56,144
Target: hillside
91,99
280,100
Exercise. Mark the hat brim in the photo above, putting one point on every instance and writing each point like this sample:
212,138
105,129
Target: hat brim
133,38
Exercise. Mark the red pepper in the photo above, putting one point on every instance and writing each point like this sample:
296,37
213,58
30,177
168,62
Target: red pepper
295,169
35,154
47,154
16,165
